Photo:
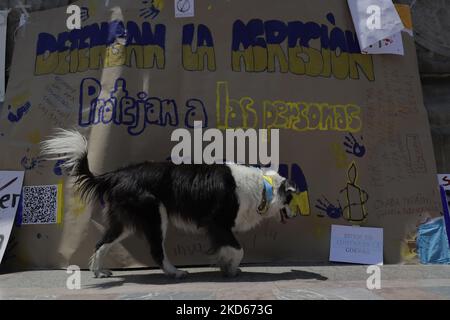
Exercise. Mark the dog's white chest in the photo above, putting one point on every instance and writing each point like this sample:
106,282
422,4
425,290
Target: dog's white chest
248,191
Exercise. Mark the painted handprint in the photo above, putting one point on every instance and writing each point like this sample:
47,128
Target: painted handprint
58,169
18,115
333,211
151,9
353,146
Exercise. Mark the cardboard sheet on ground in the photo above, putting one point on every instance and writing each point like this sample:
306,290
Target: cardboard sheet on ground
354,133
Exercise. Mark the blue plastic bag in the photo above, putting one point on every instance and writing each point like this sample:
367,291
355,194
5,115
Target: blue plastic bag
432,243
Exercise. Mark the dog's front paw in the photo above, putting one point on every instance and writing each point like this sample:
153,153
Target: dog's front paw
179,274
230,272
102,273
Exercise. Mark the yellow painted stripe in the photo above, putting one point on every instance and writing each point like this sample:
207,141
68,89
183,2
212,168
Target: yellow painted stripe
60,203
404,11
300,202
269,180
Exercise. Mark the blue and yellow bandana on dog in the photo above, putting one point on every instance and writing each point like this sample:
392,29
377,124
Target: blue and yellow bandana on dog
267,195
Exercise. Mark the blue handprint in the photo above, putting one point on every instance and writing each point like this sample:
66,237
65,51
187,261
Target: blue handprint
21,111
57,169
353,146
149,10
334,212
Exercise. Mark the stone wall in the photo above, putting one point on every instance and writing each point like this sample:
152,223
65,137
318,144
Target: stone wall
431,20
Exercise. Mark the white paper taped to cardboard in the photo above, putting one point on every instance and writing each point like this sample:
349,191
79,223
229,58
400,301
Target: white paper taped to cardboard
378,26
184,8
3,24
10,190
444,180
356,245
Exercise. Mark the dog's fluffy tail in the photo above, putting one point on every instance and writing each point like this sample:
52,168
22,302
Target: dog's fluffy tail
71,147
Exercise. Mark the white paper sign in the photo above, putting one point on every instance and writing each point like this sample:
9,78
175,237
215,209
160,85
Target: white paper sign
356,245
184,8
3,24
10,190
444,180
378,26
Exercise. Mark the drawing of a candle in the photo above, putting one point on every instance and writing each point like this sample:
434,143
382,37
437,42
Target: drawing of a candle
356,198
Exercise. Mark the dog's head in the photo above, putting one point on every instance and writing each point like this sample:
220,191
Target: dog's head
284,192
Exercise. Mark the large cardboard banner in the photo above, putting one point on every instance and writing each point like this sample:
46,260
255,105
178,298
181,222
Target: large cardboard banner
354,133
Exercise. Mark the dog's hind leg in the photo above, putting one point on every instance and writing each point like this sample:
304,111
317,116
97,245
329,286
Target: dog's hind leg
112,235
155,232
229,251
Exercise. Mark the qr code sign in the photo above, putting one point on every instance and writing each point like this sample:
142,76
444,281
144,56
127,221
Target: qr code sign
40,204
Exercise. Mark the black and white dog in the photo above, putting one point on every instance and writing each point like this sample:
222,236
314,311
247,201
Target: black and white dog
217,200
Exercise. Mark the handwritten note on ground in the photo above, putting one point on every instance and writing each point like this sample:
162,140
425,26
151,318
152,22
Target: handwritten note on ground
10,189
356,245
